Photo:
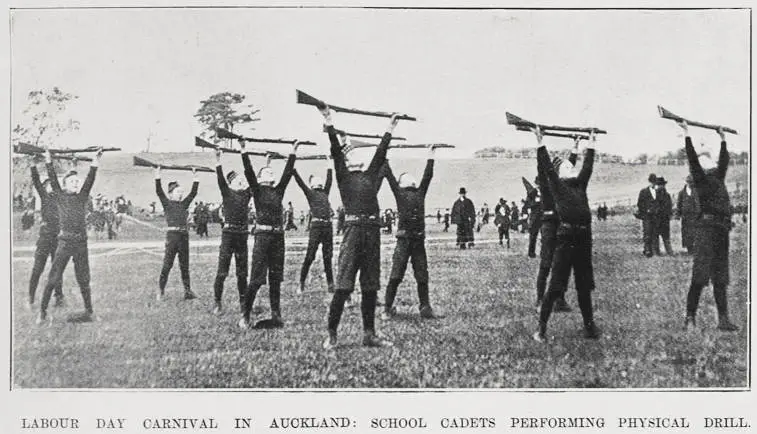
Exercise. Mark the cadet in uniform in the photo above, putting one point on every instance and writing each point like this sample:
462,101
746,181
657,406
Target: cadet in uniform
268,247
175,207
711,241
321,226
573,247
411,234
361,246
236,195
47,242
72,201
550,221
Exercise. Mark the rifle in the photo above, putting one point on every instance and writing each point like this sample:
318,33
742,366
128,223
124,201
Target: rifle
25,149
667,114
363,136
552,134
143,162
518,121
303,98
223,133
361,144
200,143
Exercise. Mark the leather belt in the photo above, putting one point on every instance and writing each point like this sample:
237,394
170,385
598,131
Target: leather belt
548,213
236,227
574,226
361,218
316,219
176,229
268,228
410,234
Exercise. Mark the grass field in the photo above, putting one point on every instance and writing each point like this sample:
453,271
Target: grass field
484,340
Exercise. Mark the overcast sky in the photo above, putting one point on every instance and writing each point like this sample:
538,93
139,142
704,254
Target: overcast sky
143,72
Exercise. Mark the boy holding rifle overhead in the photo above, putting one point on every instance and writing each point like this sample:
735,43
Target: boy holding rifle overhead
550,221
411,234
321,228
268,248
711,241
573,246
175,208
47,242
236,195
361,245
72,201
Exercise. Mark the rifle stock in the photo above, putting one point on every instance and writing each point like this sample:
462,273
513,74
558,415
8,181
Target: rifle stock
518,121
553,134
667,114
26,148
360,144
143,162
303,98
226,134
200,143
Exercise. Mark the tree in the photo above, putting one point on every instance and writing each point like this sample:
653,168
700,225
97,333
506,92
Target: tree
225,110
42,121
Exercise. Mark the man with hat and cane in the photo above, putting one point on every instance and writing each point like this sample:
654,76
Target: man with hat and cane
648,210
72,201
268,247
687,210
321,227
664,215
464,216
411,233
175,208
236,195
361,246
47,242
711,242
573,249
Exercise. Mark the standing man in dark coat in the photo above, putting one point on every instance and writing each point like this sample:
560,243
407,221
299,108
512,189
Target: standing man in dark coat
573,250
72,201
236,195
47,242
550,223
502,222
648,210
664,216
464,216
411,235
446,220
175,208
711,242
688,210
268,247
321,227
361,246
534,207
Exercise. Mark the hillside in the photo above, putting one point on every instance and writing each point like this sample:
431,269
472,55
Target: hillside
485,180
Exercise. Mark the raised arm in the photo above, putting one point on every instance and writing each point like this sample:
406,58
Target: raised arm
724,158
428,173
159,189
694,167
51,175
588,165
222,184
37,183
89,181
249,173
386,172
573,157
287,175
193,193
329,176
380,156
304,187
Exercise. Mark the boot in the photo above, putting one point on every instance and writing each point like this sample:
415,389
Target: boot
370,339
725,325
561,305
690,323
189,295
591,331
331,341
541,334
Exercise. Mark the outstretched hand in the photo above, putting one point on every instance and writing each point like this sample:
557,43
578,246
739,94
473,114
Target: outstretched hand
218,155
48,156
295,145
393,123
157,172
685,127
539,135
721,133
326,113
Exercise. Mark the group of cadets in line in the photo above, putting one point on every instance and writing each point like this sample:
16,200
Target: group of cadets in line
559,212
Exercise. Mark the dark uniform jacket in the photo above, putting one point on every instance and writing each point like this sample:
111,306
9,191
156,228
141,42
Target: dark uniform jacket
318,198
48,207
571,202
236,205
176,211
268,199
710,185
72,207
411,202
